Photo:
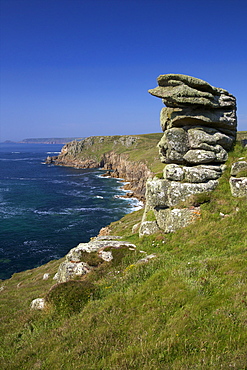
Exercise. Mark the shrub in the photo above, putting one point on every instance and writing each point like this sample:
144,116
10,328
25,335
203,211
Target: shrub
92,259
70,297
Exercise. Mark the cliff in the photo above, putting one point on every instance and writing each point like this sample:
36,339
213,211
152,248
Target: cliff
133,158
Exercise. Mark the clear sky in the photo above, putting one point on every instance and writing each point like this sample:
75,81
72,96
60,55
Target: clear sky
83,67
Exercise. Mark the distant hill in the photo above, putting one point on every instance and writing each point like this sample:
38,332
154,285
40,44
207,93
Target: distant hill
54,140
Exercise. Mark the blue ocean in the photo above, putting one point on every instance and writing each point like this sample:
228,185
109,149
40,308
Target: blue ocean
46,210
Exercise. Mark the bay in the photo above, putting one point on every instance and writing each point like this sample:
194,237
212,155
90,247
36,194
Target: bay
46,210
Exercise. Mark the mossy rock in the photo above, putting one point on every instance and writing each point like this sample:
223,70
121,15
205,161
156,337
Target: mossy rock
159,175
242,173
195,200
150,216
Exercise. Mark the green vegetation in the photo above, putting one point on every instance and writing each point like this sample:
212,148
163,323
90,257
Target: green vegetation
92,259
150,216
70,297
242,173
137,148
242,135
184,309
195,200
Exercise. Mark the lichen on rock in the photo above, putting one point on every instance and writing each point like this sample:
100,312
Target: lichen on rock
86,256
199,124
238,179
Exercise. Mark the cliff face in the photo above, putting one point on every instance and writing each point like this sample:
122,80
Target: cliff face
112,153
136,173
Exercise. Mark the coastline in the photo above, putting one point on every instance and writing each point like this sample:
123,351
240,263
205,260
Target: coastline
36,241
132,158
125,186
133,174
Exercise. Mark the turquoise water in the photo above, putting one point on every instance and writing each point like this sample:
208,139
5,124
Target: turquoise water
46,210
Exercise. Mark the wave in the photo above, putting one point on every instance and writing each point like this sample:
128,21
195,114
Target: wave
31,242
73,193
18,159
78,183
8,211
73,175
48,213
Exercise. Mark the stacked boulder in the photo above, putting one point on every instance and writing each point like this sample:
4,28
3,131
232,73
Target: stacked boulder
199,124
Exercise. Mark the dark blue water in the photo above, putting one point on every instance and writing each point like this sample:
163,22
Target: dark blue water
46,210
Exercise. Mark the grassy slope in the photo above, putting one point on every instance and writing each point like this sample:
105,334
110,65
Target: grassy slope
185,309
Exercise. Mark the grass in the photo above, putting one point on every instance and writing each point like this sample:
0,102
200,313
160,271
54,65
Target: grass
241,135
144,149
184,309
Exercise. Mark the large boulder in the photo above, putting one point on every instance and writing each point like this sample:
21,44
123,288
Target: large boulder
165,193
238,186
194,174
238,166
238,180
70,270
170,220
194,145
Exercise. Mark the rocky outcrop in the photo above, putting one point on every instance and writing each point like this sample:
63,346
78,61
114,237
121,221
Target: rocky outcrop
38,304
199,125
238,179
81,154
86,256
70,155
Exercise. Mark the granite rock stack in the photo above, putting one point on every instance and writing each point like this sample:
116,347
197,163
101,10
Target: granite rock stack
199,124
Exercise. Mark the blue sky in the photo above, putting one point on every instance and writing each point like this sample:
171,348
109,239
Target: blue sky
83,67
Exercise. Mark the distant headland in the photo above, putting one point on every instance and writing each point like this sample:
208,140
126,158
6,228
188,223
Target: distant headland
44,140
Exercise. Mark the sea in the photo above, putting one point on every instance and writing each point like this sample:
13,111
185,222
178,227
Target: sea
46,210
